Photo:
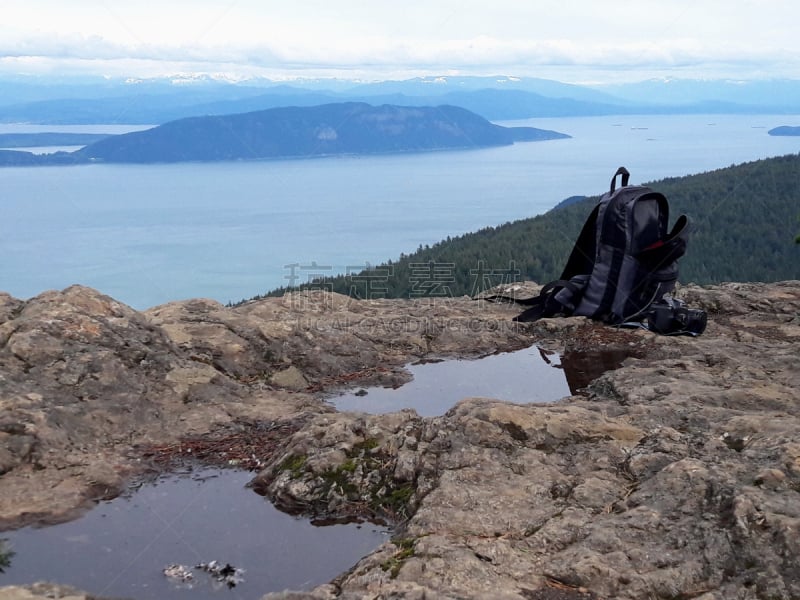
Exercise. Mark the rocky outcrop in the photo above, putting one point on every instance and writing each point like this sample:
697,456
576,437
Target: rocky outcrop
676,475
84,379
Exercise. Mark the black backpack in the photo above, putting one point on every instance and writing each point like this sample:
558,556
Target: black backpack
624,261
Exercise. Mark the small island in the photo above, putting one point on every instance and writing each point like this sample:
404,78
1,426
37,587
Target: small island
354,128
787,130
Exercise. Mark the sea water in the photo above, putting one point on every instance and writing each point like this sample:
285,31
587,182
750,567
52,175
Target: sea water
148,234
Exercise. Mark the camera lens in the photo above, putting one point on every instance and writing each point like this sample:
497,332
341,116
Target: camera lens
696,321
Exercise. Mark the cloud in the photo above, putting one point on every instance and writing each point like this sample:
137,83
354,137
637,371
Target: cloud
481,50
376,53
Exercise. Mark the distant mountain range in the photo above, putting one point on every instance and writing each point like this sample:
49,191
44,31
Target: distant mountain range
330,129
156,101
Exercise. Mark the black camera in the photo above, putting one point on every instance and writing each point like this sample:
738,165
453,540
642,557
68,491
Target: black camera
670,316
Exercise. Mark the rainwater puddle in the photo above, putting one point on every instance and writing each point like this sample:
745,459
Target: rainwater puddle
121,547
525,376
581,368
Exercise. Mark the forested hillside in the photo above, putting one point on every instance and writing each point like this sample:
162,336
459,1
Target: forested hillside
744,220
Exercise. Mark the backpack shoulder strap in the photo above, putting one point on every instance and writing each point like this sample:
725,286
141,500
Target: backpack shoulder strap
581,259
552,300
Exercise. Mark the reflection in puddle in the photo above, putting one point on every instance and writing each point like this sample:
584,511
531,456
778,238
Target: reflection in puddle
121,547
581,368
525,376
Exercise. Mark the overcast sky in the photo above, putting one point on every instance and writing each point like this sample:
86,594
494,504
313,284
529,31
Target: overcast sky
580,41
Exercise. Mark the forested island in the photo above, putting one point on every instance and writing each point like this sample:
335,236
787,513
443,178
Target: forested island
296,132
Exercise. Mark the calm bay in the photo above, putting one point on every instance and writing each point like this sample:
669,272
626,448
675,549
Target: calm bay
148,234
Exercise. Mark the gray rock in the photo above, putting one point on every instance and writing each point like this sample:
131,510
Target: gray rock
675,475
291,378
